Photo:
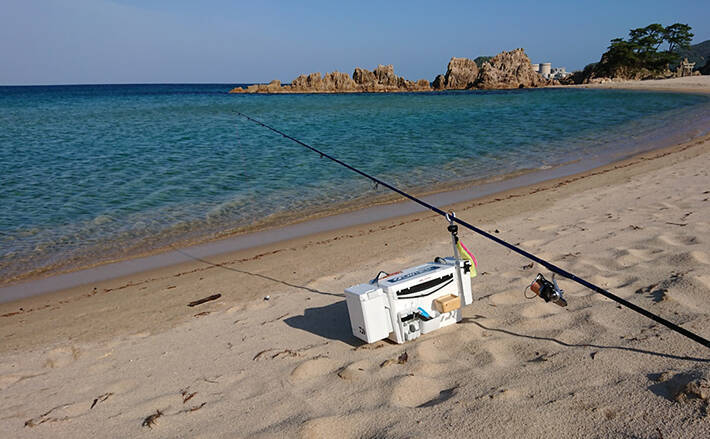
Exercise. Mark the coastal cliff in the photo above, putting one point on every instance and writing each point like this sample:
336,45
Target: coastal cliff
504,71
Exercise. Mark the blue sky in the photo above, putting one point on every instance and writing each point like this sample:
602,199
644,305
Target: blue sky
144,41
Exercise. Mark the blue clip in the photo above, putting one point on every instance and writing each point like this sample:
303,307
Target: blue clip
424,313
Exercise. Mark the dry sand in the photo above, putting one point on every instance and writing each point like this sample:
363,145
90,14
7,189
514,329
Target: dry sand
690,84
128,357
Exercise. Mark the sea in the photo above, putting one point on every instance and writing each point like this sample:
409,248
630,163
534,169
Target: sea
96,173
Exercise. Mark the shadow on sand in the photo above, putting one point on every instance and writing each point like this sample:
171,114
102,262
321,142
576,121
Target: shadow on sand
330,321
584,345
674,387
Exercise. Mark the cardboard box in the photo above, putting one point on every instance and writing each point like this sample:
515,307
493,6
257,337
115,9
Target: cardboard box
447,303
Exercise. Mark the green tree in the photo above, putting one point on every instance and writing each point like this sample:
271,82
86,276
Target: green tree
678,36
647,39
641,50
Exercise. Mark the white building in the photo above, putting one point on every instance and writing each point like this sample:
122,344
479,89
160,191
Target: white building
546,70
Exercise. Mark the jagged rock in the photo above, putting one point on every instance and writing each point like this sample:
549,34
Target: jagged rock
461,73
386,77
341,82
382,79
331,82
274,85
439,82
364,77
509,70
423,84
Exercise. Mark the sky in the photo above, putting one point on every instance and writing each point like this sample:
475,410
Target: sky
220,41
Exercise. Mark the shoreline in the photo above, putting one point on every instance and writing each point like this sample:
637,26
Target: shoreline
687,84
388,208
382,207
249,246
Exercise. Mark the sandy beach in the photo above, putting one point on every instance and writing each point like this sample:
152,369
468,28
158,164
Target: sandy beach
128,357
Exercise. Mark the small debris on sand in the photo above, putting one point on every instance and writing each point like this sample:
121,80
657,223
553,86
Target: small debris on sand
187,396
203,300
402,359
100,398
150,420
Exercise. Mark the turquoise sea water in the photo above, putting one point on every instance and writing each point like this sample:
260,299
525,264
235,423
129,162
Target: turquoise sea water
91,173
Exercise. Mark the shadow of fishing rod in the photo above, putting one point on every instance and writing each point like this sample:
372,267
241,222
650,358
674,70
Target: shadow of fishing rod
584,345
261,276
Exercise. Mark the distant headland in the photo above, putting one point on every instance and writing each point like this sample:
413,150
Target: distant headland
507,70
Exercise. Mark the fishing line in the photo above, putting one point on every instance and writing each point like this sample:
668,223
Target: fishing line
553,268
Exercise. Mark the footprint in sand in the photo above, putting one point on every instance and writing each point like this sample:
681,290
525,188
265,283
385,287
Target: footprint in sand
690,292
432,356
632,256
500,351
413,391
313,368
481,357
434,351
60,357
678,241
540,309
354,371
583,264
348,426
618,282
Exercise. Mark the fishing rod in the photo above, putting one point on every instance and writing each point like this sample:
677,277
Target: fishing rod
550,266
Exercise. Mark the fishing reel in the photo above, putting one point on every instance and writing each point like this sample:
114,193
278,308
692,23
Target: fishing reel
548,291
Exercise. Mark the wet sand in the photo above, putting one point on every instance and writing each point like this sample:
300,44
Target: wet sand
127,356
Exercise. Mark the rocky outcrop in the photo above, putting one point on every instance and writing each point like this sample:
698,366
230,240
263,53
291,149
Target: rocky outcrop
461,73
509,70
439,82
382,79
331,83
386,77
504,71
